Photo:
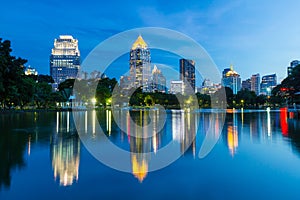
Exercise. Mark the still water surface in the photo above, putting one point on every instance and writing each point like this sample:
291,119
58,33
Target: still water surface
257,156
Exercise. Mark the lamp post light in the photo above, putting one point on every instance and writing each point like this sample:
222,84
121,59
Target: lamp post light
94,101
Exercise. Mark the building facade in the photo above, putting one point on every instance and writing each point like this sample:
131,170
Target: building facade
208,87
158,83
231,79
31,71
177,87
255,83
246,84
64,59
187,75
140,65
268,82
293,64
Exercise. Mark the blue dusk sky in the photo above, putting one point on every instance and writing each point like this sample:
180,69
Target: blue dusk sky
255,36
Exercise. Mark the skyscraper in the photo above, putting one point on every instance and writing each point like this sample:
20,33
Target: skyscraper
293,64
187,74
231,79
255,83
158,80
268,82
140,69
64,59
246,84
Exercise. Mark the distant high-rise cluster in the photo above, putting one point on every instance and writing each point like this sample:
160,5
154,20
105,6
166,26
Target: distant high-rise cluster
64,59
262,86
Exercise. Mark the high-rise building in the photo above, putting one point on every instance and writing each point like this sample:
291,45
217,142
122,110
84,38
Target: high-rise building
255,83
158,80
187,75
140,68
64,59
231,79
246,84
293,64
225,72
268,82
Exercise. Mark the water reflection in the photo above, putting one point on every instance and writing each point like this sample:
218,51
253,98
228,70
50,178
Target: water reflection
140,147
232,134
24,134
65,150
184,130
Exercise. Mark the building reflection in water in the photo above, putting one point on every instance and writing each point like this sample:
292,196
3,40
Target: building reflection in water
140,147
284,121
65,150
183,132
232,134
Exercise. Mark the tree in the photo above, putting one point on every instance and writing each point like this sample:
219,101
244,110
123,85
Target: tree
26,91
42,94
11,71
149,100
289,86
204,100
66,88
246,98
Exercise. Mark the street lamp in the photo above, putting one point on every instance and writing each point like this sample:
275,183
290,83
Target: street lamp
94,101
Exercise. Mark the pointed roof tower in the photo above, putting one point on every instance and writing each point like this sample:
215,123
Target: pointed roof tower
139,43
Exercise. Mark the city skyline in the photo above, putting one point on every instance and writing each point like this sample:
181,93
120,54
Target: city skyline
250,35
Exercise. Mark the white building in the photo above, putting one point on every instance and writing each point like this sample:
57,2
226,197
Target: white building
64,59
177,87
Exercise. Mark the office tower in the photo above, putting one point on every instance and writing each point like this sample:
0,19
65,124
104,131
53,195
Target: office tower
231,79
255,83
246,84
268,82
158,80
225,72
64,59
293,64
140,69
187,75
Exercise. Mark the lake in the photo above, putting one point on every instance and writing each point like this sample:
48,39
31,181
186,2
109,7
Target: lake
46,155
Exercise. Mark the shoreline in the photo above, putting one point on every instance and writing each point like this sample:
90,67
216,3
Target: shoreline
4,111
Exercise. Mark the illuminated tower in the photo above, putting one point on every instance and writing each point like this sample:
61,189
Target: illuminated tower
64,59
231,79
140,69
